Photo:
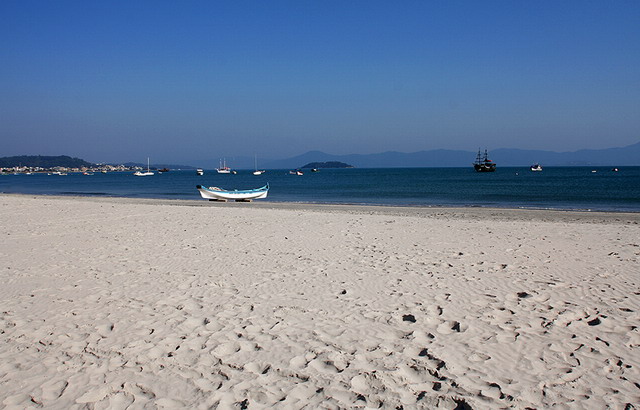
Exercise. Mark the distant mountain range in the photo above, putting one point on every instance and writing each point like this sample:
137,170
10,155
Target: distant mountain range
503,157
623,156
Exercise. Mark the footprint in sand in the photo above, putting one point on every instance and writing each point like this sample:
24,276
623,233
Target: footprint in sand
434,310
53,389
105,329
257,368
414,374
120,400
451,326
366,383
323,366
226,349
478,357
507,336
95,395
298,362
492,390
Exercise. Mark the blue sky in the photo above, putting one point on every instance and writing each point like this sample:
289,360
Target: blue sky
193,80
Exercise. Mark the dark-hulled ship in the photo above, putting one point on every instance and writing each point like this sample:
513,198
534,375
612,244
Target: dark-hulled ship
484,164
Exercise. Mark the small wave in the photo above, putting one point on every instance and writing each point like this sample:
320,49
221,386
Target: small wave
84,193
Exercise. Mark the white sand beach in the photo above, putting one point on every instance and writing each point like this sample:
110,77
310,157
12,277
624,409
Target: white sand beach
131,304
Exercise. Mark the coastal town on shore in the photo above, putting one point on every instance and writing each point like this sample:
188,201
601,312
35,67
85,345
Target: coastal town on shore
59,170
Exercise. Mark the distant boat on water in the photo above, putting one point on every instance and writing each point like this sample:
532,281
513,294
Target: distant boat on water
484,164
199,171
144,174
223,168
536,168
257,171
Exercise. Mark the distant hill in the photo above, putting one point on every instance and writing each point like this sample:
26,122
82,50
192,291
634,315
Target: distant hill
503,157
43,161
329,164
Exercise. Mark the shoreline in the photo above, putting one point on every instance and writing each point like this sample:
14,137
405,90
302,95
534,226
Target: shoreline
424,211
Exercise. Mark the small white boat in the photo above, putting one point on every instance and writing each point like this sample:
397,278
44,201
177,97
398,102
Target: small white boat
144,174
219,194
536,167
296,172
199,171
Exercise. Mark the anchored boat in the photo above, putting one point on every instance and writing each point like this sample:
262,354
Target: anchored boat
142,173
484,164
223,168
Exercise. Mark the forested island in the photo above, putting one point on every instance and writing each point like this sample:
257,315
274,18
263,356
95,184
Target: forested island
329,164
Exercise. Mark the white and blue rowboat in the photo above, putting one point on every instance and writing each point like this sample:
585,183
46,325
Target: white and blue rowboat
218,194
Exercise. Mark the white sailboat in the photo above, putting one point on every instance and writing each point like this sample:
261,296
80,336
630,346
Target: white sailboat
223,168
257,171
144,174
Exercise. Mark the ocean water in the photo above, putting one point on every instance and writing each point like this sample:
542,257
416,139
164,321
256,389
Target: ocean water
509,187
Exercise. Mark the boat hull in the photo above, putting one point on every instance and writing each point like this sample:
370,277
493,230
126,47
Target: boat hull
484,168
214,193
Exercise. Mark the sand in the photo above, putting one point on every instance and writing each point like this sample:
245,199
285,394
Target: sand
113,303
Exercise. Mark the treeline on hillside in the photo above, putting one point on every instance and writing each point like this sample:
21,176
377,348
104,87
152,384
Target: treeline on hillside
43,161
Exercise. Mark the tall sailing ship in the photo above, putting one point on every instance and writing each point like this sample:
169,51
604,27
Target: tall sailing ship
223,168
484,164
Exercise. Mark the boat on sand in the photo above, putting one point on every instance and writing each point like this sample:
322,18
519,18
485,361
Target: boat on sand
219,194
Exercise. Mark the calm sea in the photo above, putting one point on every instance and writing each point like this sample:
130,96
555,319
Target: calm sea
553,188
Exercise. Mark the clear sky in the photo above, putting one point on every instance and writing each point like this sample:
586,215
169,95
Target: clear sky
181,80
